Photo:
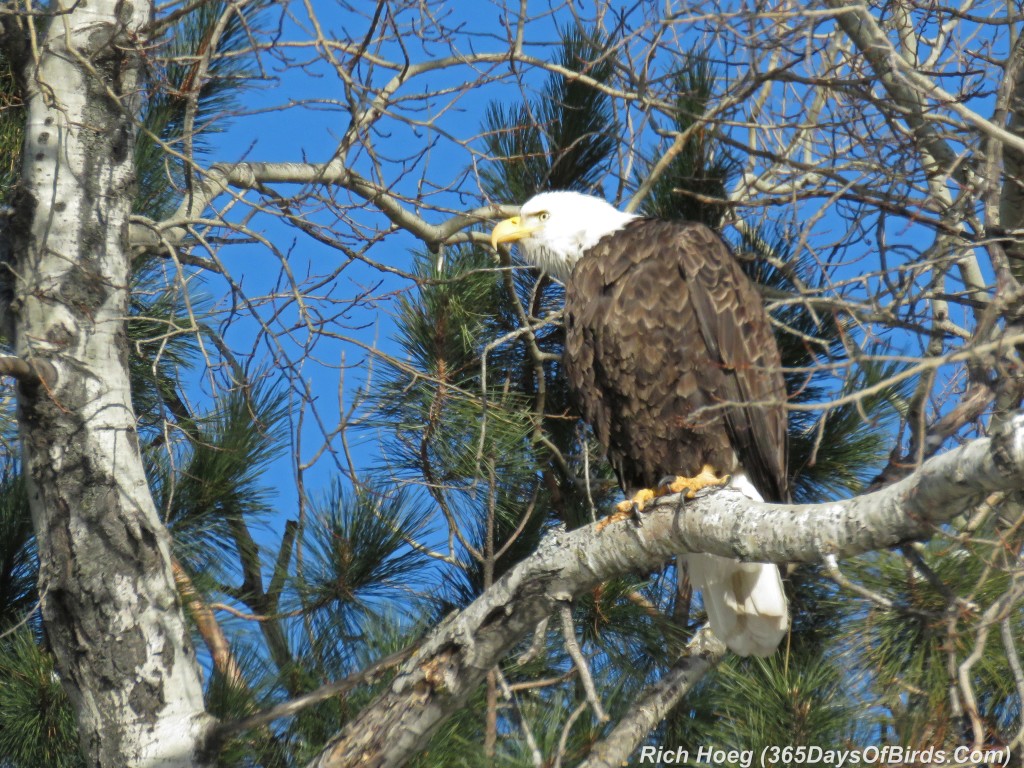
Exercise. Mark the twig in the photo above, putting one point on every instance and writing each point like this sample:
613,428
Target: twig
227,730
564,738
702,654
997,612
573,647
254,616
832,567
924,570
535,755
25,619
540,633
1013,659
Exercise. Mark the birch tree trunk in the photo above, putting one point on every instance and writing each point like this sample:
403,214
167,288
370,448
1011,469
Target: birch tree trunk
110,607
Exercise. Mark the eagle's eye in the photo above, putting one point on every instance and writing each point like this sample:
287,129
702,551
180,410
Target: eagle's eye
543,215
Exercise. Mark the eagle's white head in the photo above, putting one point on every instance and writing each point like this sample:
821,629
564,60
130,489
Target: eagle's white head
553,229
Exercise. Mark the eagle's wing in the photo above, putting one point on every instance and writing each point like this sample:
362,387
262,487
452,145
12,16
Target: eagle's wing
739,339
672,358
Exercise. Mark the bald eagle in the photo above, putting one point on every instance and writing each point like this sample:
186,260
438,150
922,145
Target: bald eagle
671,357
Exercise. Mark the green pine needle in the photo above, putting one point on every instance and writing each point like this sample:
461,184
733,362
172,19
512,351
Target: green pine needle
357,562
222,480
564,139
37,723
18,564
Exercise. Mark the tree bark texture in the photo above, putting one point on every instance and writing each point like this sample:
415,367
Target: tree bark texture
109,601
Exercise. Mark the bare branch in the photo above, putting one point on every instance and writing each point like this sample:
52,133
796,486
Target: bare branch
582,667
227,730
220,178
702,654
453,661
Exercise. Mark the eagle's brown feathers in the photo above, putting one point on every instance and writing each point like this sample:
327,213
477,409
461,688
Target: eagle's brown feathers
671,355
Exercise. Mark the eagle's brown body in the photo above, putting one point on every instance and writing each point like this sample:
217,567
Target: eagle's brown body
672,359
671,355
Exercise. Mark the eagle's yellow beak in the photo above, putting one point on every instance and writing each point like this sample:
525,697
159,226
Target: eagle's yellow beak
510,230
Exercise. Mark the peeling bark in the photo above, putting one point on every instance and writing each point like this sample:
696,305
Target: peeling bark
108,597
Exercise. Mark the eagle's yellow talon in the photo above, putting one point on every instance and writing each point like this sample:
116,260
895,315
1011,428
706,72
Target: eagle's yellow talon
679,484
630,508
614,517
639,500
705,479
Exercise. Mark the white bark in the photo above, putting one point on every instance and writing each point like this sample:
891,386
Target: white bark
108,597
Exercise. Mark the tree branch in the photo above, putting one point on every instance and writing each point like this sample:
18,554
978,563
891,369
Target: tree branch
906,86
580,661
454,660
29,372
209,629
222,177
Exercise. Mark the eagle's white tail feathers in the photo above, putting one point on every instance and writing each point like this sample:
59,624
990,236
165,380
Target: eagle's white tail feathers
745,602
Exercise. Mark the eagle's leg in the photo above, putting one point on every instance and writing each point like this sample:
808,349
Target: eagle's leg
631,508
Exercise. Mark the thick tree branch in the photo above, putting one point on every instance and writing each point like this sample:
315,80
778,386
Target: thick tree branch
108,598
221,178
453,661
29,372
